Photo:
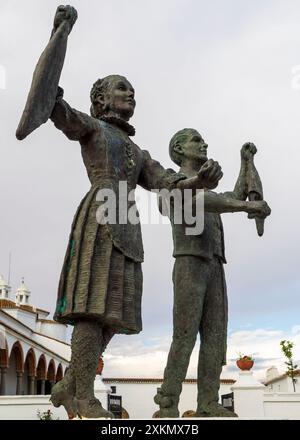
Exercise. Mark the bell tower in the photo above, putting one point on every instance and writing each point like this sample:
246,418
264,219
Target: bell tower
23,294
4,288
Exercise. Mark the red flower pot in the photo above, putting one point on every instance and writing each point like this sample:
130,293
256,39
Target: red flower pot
245,364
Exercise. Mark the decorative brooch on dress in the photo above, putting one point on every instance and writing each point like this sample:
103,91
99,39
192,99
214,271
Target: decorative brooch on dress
129,157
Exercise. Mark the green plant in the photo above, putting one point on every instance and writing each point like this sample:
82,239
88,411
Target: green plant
243,357
45,415
286,347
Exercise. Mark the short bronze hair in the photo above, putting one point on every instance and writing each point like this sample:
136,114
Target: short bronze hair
179,138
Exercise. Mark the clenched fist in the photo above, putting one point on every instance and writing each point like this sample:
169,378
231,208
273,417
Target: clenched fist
66,14
258,209
210,173
248,150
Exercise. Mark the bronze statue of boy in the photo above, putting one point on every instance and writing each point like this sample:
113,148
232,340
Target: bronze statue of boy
200,298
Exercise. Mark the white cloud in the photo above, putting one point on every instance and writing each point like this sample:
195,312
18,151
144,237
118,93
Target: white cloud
264,345
296,329
137,356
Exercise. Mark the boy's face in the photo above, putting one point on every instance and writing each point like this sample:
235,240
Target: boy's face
195,148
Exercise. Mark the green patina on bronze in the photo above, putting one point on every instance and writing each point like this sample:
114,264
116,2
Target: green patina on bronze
61,306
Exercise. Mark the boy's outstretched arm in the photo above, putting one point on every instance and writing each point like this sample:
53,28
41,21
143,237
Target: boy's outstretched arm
222,203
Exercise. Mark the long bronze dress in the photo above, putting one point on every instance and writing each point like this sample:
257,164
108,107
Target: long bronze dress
101,276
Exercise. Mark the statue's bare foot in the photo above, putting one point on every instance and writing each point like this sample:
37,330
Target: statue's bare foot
167,406
92,409
61,396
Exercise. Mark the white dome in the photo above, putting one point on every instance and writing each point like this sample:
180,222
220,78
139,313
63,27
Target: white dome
23,288
4,288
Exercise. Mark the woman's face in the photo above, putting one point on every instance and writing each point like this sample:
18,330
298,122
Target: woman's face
119,99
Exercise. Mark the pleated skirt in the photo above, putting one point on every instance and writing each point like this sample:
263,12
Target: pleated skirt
97,281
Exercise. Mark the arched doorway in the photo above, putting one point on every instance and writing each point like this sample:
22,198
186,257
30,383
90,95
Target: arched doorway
29,378
50,377
59,373
41,373
3,367
15,370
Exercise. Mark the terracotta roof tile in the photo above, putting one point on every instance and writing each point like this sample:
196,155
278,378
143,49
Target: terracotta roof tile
9,304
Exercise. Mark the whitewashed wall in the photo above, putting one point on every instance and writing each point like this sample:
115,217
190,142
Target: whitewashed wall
252,400
27,407
282,405
138,401
284,385
137,398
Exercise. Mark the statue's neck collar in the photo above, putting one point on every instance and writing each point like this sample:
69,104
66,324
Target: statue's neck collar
118,122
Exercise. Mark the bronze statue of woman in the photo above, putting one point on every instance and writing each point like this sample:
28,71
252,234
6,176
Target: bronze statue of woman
100,286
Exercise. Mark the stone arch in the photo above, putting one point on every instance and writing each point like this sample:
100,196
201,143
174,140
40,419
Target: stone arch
19,353
15,370
59,373
51,370
4,359
4,365
30,361
41,375
3,347
50,377
29,377
41,371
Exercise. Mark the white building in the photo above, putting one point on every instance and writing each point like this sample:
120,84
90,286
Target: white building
281,383
137,394
33,349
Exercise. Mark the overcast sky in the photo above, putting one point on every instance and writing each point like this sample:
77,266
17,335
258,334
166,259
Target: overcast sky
222,67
